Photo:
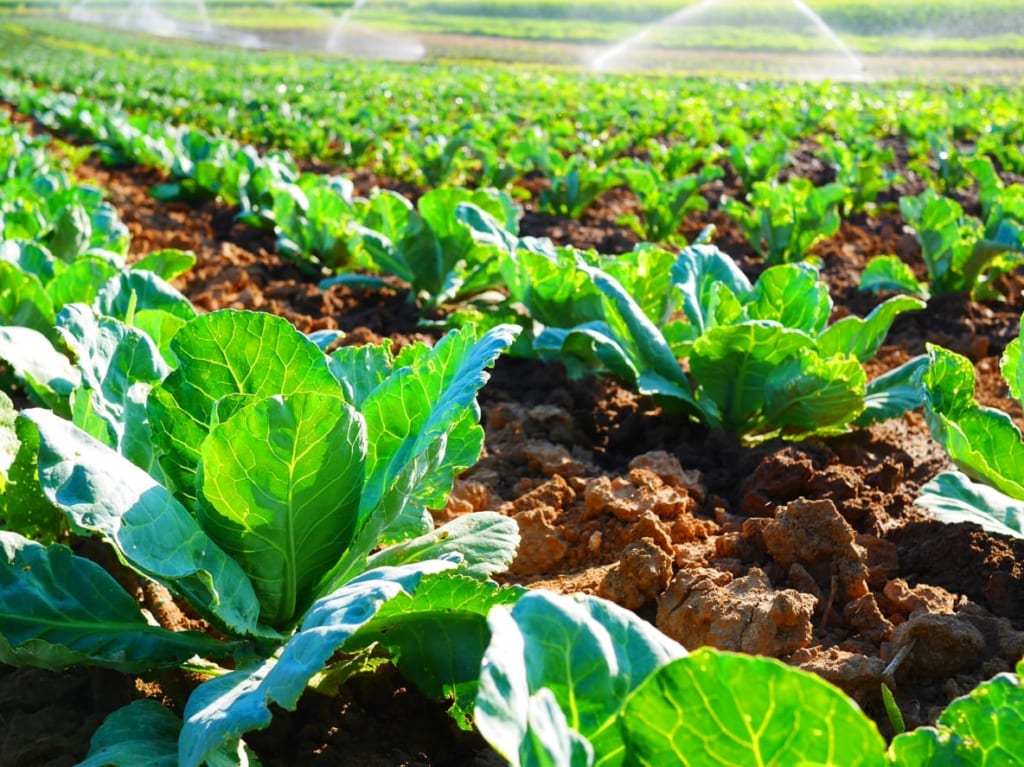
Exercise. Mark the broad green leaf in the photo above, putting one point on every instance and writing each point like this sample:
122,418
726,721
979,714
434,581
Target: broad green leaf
223,353
361,369
281,481
946,239
731,364
461,257
809,395
146,732
586,652
24,509
792,295
926,747
223,709
29,257
423,419
548,740
161,327
23,301
891,273
984,728
487,229
419,258
658,370
119,364
862,338
141,290
47,374
951,497
102,492
699,710
588,349
555,292
990,720
143,732
981,441
1010,366
894,393
696,272
437,635
486,540
645,273
167,264
80,281
59,610
71,233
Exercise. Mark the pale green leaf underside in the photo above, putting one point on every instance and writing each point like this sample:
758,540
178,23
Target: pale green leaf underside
952,497
486,540
221,710
59,610
588,653
46,372
102,492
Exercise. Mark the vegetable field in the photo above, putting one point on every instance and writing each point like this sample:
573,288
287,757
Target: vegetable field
367,413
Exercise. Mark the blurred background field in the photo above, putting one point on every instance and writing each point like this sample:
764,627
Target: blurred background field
841,39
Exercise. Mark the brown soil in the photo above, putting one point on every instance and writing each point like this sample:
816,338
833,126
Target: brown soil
810,552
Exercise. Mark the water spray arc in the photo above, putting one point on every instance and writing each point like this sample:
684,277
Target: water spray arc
826,30
147,16
338,29
335,35
607,58
602,61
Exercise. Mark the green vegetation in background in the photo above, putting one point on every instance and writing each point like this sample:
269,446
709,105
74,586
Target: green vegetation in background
868,26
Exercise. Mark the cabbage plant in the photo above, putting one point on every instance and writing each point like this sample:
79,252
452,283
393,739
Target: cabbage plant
759,360
961,253
579,681
782,222
292,516
984,443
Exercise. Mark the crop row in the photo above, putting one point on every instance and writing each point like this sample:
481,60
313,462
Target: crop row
289,508
482,126
459,246
318,221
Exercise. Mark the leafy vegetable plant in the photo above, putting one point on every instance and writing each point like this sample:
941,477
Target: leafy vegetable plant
294,511
861,168
575,182
664,202
960,252
983,442
429,247
762,359
579,681
784,221
756,160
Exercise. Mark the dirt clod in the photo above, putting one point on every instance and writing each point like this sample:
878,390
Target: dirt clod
707,607
814,534
642,573
942,645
